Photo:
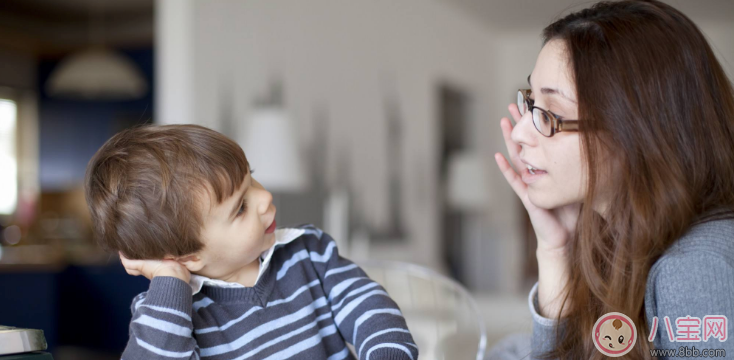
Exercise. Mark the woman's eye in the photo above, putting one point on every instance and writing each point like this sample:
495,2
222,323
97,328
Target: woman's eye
545,118
621,339
559,117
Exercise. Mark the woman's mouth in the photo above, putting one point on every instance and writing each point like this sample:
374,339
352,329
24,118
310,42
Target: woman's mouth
531,174
271,228
534,171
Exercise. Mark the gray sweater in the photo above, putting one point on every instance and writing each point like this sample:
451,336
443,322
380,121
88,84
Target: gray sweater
309,303
695,277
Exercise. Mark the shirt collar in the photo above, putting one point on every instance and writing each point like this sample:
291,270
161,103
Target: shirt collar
282,237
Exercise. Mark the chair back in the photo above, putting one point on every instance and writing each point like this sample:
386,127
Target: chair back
441,314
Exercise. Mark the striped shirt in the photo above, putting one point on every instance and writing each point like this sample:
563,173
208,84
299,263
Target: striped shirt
307,303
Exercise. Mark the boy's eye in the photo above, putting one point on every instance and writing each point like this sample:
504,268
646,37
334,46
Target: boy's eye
242,209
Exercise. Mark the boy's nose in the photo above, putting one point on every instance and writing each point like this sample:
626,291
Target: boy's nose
266,198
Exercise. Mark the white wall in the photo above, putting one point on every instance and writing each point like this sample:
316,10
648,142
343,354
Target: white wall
345,56
719,35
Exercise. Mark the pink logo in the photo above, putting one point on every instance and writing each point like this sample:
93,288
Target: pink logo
689,328
714,326
614,334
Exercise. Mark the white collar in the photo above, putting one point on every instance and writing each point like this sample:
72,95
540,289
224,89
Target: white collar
282,236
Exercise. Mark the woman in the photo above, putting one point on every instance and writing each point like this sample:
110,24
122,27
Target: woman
624,156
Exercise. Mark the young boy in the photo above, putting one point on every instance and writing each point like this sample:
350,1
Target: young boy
180,205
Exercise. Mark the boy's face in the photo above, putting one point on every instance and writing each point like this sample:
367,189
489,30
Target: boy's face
236,232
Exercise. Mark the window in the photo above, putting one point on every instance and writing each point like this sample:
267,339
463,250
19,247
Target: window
8,158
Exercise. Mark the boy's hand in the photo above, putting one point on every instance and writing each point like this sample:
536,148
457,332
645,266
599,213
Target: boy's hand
153,268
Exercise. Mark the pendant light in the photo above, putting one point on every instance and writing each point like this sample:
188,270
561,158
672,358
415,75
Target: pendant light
97,73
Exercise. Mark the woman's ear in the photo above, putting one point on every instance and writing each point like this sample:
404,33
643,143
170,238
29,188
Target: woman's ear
193,263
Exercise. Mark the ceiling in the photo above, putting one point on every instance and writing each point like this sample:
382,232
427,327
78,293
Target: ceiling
518,14
76,8
53,26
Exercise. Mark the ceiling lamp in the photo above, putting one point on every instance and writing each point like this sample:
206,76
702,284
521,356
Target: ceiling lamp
97,74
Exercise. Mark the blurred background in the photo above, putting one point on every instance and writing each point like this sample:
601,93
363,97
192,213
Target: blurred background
375,120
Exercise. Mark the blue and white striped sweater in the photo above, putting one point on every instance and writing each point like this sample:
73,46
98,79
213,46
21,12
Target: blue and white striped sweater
308,303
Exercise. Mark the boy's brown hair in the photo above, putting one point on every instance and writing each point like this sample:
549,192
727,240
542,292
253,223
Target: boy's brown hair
144,184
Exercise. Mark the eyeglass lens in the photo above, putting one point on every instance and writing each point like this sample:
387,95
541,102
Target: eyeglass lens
543,123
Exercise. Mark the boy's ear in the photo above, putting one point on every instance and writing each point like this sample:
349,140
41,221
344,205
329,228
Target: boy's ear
191,262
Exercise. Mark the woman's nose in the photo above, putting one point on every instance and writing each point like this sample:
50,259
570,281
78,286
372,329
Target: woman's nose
524,132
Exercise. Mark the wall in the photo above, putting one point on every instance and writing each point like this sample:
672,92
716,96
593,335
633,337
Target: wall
345,57
720,37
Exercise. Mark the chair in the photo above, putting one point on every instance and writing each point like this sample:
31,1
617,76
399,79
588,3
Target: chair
441,314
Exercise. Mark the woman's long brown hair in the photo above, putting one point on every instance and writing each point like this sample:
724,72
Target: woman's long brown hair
657,133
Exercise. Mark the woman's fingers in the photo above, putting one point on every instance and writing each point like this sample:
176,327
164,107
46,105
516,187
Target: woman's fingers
548,229
515,112
515,156
513,149
511,176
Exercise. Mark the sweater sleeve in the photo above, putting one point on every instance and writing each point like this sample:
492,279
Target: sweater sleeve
691,298
543,339
161,326
363,311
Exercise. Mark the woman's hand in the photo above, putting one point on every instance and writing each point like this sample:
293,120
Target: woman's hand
553,227
153,268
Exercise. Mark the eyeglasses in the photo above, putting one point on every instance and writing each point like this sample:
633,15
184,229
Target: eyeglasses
546,122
